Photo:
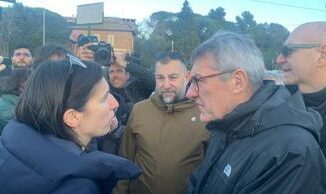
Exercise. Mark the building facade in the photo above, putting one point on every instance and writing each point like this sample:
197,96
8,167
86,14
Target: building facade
119,32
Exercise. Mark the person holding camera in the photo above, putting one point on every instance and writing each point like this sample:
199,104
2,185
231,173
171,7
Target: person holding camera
45,149
128,80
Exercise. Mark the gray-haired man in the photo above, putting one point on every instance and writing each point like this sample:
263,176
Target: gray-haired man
264,139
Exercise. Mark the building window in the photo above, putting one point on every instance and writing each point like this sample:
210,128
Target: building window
110,39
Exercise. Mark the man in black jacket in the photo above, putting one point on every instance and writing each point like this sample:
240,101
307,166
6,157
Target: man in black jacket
263,137
303,61
129,84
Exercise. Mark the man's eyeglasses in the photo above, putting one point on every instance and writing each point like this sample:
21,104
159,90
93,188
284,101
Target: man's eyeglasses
195,80
67,89
288,49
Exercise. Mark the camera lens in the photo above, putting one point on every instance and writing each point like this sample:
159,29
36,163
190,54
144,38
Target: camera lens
103,53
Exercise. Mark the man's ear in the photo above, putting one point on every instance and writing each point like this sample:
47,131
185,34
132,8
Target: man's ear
239,81
128,75
322,55
187,75
72,118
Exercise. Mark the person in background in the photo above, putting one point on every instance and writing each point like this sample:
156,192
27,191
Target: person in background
46,148
10,89
22,57
163,135
129,82
303,62
51,52
264,140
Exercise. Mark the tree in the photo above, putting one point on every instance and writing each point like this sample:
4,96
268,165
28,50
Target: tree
217,14
246,22
24,25
191,29
186,14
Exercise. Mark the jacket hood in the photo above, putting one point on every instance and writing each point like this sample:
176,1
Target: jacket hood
174,107
55,164
269,107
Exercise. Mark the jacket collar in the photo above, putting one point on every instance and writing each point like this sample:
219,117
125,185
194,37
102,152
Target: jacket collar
316,101
173,107
44,160
270,106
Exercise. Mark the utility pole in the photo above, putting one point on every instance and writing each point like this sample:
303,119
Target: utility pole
43,26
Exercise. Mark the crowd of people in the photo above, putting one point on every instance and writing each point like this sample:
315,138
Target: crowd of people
70,125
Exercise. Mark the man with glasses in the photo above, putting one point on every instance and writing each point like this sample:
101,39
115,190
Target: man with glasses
263,138
22,57
164,135
303,61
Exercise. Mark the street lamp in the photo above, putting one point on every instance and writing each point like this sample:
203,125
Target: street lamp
169,33
43,27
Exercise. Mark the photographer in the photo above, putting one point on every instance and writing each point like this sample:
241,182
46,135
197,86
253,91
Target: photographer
129,83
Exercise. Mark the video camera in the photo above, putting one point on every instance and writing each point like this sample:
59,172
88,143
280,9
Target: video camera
104,54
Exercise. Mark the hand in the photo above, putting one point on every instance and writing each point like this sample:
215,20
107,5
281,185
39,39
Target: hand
85,54
74,35
2,66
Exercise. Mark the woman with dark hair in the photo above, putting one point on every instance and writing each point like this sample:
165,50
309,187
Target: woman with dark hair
45,149
10,88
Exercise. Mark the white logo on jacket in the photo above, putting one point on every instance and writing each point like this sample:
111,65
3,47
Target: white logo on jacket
227,170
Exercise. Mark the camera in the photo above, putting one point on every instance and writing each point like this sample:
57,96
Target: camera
104,54
133,58
5,66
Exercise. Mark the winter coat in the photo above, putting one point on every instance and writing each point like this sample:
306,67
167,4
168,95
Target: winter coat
167,141
317,101
265,145
31,162
7,108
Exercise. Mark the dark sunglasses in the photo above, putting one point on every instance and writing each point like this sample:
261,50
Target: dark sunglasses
73,61
288,49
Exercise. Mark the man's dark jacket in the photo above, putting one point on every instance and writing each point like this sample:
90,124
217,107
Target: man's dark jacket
317,101
265,145
139,87
31,163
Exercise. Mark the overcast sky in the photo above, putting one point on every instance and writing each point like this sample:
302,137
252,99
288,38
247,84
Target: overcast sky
289,13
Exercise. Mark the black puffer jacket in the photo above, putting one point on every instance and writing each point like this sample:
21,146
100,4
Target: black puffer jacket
266,145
